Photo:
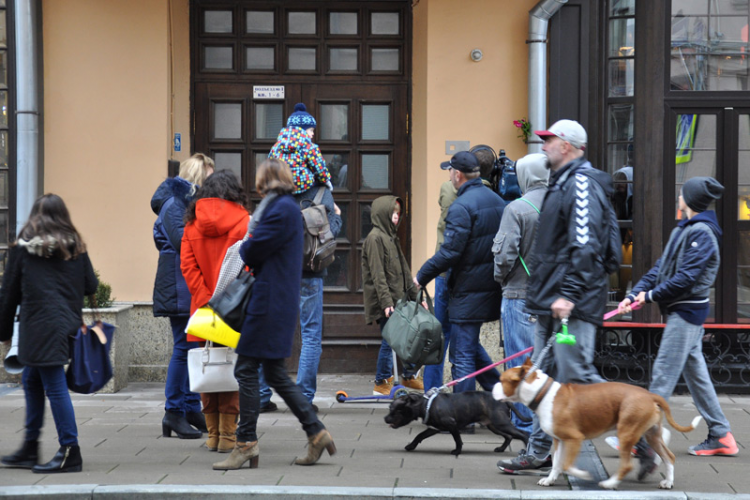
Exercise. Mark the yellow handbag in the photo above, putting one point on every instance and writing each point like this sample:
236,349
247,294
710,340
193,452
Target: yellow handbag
204,323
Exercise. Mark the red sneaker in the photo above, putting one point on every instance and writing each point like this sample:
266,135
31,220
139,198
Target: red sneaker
724,446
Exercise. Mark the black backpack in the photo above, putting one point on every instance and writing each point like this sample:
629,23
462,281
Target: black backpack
319,243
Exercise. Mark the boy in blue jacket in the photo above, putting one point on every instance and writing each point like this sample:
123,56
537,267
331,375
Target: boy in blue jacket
680,283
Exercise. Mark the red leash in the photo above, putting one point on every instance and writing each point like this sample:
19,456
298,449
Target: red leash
490,367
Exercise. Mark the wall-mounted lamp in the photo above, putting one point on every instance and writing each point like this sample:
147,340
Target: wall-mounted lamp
476,55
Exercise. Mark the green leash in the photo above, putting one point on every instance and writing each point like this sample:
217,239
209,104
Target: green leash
519,255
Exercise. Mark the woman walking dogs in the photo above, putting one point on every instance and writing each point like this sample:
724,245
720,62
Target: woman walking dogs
47,274
274,252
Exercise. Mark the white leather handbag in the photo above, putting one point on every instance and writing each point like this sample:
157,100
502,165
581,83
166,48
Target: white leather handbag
211,369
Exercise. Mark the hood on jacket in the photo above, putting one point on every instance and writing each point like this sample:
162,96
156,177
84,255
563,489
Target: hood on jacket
601,177
382,211
44,247
532,171
174,186
709,218
292,139
215,217
625,174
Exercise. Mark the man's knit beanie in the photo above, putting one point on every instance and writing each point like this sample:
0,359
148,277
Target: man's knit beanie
699,192
301,118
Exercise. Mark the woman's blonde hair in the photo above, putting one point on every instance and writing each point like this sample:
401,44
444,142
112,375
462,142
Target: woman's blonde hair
274,176
195,169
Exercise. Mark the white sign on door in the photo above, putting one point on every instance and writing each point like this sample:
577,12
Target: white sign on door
263,92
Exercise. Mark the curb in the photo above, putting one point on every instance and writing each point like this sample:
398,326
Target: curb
188,492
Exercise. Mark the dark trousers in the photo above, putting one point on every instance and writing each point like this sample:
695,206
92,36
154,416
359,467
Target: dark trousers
246,373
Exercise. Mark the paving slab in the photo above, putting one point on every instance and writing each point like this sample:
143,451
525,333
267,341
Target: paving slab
127,457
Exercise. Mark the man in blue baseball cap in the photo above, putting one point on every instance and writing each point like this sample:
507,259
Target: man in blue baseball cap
466,253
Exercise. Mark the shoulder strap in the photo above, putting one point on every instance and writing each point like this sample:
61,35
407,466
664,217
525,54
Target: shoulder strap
527,201
319,195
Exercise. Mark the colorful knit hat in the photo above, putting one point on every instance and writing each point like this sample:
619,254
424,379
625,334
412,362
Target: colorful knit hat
301,118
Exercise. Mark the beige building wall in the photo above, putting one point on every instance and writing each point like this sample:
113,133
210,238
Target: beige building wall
457,99
116,88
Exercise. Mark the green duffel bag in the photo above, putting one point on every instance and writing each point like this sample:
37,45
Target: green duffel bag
414,333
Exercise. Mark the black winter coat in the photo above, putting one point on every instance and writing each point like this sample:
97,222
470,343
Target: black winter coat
470,227
50,292
169,203
572,235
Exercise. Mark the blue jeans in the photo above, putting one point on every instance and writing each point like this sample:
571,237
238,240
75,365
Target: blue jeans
468,356
433,374
177,389
38,380
264,391
573,363
681,353
385,360
311,328
518,334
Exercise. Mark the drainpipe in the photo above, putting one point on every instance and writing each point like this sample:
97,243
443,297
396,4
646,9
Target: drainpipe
27,113
539,18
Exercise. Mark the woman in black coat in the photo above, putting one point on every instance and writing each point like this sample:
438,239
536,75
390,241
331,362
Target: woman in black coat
48,273
182,408
274,252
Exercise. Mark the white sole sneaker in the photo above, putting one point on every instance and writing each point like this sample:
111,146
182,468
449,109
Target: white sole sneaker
614,442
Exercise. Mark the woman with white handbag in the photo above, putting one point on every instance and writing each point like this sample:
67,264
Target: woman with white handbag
213,222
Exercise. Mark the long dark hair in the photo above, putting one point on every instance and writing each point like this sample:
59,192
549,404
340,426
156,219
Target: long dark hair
50,221
222,184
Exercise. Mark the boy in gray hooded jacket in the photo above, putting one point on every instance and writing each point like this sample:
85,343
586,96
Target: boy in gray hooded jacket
511,244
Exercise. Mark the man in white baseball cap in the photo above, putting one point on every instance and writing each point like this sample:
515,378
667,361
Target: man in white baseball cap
567,130
569,265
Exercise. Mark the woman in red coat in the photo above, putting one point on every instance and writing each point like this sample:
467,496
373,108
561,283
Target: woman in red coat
213,222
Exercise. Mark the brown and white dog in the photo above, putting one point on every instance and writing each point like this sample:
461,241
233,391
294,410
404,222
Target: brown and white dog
571,413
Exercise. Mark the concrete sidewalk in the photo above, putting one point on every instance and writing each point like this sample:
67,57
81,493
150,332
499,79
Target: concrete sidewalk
122,445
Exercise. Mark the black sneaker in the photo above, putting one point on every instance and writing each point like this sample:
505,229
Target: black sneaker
648,460
524,462
271,406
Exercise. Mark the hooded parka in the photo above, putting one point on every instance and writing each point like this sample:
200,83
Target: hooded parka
386,276
50,291
169,203
218,225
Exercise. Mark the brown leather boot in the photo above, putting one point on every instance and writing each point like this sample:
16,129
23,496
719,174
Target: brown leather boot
212,424
241,453
315,446
227,428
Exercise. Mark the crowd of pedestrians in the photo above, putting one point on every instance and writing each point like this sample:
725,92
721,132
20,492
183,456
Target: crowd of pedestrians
531,262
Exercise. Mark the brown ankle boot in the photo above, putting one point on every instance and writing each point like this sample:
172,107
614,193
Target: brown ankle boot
227,428
212,424
241,453
315,446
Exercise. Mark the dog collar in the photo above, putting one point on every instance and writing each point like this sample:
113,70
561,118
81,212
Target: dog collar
430,397
540,395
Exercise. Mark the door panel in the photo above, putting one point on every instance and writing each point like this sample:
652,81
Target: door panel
350,63
363,139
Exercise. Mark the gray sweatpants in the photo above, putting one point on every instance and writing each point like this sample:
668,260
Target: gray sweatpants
681,353
565,363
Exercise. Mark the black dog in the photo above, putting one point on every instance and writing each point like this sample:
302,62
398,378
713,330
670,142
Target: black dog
452,412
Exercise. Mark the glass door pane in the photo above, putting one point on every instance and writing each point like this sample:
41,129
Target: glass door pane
695,152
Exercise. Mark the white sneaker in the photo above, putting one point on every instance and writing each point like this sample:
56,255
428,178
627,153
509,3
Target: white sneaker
614,442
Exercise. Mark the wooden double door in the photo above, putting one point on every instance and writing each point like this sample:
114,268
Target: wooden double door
362,133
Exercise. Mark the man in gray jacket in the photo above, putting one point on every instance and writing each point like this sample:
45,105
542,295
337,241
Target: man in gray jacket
511,245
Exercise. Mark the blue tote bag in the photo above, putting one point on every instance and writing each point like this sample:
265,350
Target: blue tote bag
90,368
